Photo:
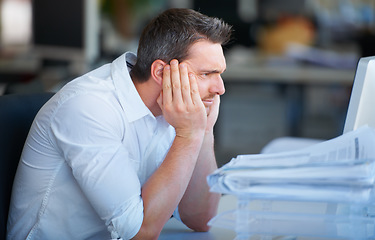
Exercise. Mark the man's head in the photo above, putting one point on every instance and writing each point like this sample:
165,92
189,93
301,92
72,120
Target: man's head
170,35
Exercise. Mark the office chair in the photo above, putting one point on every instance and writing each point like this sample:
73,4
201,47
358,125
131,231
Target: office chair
17,112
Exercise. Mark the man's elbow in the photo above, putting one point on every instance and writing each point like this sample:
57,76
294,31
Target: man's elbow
149,233
201,228
198,224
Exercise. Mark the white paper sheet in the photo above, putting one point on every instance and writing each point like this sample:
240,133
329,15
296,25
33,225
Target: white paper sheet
341,169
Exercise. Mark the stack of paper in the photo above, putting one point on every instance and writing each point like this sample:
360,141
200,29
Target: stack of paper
338,170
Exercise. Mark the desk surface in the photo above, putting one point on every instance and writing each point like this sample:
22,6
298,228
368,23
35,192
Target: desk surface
296,226
248,66
289,74
174,229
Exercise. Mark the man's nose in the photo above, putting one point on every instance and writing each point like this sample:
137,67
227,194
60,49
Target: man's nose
218,86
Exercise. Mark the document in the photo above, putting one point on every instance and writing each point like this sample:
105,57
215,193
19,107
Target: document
337,170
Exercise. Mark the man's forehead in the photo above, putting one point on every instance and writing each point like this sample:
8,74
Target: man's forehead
207,54
204,44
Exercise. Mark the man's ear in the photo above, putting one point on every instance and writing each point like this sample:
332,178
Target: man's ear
157,71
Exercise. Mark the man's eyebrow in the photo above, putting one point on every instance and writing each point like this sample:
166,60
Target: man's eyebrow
213,71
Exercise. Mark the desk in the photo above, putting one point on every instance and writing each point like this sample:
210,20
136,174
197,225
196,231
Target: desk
292,79
250,71
19,67
245,65
302,229
174,229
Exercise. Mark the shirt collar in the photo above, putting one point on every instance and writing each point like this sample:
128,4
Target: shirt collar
128,95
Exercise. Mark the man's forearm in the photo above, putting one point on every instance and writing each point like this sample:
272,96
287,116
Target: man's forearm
199,205
164,189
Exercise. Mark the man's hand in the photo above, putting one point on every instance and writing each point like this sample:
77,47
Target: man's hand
180,101
213,114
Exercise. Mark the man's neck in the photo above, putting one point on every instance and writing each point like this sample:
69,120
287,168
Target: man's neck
149,92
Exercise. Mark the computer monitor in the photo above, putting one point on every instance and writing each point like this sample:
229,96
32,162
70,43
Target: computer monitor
66,30
361,110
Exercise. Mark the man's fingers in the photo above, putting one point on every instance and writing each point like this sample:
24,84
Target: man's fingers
159,100
180,100
167,84
195,96
176,82
185,84
180,89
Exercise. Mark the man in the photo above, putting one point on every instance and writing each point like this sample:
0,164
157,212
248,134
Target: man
115,154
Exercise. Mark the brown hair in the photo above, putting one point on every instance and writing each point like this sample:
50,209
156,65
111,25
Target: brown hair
169,36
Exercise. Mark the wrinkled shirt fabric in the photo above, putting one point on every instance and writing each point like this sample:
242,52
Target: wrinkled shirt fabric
88,153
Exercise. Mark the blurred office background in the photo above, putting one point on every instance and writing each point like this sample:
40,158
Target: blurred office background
290,65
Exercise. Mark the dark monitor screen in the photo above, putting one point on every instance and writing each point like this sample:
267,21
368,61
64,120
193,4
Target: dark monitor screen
58,23
65,30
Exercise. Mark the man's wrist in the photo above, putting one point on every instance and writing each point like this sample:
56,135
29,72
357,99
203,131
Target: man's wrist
208,138
195,137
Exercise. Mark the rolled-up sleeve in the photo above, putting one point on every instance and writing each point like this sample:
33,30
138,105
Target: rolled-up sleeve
88,131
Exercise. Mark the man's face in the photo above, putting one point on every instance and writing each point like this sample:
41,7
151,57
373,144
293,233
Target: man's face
206,60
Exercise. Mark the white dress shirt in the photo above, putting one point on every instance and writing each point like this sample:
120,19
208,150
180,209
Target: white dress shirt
89,151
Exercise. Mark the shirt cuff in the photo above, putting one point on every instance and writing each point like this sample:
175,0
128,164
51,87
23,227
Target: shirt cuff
127,225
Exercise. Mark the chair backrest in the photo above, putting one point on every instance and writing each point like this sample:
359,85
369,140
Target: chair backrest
17,112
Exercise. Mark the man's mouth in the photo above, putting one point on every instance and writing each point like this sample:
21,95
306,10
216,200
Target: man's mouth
208,102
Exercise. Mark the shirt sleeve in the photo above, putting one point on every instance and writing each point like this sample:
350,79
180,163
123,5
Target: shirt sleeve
88,131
